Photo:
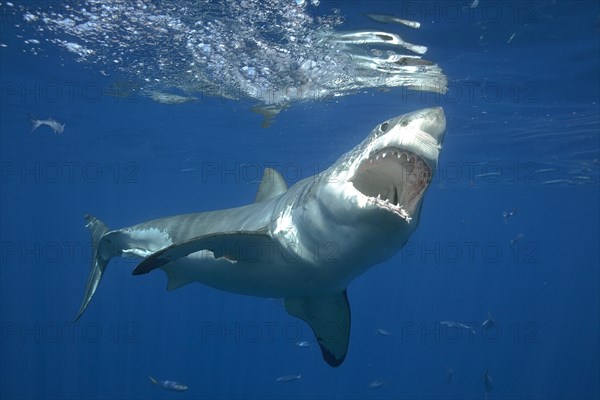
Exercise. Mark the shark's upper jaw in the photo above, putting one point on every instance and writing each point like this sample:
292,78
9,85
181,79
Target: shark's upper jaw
393,179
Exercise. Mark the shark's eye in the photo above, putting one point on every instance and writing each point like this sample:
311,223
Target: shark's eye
384,127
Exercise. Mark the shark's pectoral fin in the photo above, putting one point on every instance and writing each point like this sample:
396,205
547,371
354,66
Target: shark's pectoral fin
246,246
271,185
329,318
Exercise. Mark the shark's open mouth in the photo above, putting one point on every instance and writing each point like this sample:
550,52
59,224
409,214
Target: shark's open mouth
394,179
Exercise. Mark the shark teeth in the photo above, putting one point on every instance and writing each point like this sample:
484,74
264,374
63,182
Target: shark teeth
389,206
393,179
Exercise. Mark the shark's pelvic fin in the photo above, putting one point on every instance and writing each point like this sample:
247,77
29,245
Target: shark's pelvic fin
175,280
231,245
272,185
97,230
329,318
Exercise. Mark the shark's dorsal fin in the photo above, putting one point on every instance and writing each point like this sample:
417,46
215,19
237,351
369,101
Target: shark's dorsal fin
271,185
329,318
230,245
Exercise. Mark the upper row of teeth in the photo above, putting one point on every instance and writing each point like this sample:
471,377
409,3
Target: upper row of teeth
398,155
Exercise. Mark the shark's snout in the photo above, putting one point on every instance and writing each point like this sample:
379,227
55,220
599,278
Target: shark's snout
434,123
429,120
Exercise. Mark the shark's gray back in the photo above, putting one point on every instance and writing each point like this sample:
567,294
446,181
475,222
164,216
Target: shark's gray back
187,226
252,217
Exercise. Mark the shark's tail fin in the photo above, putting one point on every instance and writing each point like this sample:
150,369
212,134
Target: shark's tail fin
153,380
97,230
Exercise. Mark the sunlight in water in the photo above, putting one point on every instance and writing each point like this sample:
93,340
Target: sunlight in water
276,52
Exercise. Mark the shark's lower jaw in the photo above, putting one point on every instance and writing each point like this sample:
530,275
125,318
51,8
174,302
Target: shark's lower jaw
393,179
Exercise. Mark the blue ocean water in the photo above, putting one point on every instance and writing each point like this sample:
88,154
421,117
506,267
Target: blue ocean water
522,138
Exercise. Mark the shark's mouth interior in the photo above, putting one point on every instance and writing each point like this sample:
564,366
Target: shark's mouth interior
393,178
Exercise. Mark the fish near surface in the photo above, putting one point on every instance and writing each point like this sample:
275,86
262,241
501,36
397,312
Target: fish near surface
56,126
304,244
169,385
288,378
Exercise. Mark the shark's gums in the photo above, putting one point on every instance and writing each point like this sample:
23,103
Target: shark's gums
304,244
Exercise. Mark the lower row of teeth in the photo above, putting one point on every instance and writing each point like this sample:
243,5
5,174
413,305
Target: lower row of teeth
386,200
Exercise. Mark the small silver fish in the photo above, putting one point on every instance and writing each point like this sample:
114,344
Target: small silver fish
383,332
376,384
169,385
302,343
288,378
56,126
392,19
487,174
555,181
507,214
269,113
489,322
453,324
516,239
488,385
169,98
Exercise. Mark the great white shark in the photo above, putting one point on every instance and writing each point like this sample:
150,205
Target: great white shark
304,244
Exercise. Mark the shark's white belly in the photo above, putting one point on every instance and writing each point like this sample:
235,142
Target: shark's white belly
274,278
271,279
